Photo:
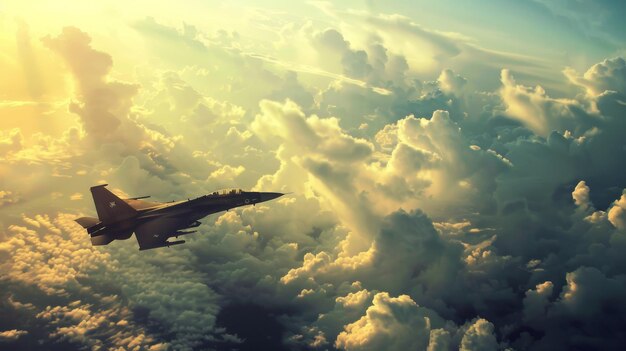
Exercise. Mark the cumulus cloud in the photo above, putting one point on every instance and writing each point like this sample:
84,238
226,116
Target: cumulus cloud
313,133
51,256
105,299
479,336
12,334
581,300
11,141
617,213
390,323
451,82
609,74
433,159
537,300
102,101
540,113
581,194
8,198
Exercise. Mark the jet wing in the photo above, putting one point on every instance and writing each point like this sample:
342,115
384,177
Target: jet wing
155,233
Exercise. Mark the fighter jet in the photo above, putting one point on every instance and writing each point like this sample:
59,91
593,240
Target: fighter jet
155,222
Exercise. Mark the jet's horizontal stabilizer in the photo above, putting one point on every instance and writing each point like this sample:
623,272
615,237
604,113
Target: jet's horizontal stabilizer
101,240
87,222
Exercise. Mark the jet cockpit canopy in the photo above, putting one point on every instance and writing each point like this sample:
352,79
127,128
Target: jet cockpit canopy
227,192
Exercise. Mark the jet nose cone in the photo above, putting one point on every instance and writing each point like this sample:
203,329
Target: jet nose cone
269,196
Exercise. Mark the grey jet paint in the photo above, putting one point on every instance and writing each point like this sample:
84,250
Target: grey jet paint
155,222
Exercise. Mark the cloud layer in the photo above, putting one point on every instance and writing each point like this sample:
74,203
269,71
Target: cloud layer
426,214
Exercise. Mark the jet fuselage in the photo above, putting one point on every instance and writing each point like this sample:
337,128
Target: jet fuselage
154,222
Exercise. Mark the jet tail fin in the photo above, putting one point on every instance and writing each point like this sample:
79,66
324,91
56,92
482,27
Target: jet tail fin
110,208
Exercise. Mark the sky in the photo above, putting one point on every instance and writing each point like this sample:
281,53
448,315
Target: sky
455,170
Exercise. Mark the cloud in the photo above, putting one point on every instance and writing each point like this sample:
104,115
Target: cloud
81,325
437,164
450,82
609,74
429,51
7,198
536,301
581,303
439,340
12,334
617,213
479,336
106,299
51,256
11,142
581,300
102,102
540,113
390,323
310,133
581,195
417,144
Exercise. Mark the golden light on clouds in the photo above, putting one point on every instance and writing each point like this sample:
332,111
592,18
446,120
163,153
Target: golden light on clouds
455,174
